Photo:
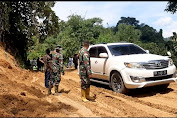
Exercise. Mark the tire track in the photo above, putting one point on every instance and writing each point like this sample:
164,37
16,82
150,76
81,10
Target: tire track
162,101
84,111
106,109
157,110
103,102
99,110
107,101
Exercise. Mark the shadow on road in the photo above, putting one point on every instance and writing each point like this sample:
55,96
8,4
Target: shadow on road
100,85
69,69
64,91
148,91
139,92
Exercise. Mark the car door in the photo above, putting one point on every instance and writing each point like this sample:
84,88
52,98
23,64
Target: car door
93,58
101,62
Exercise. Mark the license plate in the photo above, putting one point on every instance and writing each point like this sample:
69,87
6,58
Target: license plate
160,73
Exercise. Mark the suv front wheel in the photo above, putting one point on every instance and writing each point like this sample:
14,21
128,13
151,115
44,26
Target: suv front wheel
118,84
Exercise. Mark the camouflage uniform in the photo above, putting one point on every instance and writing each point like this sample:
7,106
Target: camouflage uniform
57,67
84,68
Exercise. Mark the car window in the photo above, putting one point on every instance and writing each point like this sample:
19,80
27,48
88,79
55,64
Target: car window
101,50
126,49
93,52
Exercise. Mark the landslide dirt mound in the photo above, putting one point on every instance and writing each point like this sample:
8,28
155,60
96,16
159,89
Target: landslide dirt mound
22,94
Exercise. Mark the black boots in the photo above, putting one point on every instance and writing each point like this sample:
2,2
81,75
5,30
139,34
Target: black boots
49,89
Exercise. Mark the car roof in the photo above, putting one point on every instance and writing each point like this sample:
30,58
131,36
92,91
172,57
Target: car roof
120,43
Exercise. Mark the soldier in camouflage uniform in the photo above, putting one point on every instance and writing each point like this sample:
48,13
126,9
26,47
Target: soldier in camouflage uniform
57,68
85,71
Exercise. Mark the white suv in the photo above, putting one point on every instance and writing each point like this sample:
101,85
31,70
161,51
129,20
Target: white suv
127,66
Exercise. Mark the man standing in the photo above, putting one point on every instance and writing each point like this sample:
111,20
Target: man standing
75,61
85,71
47,63
70,62
38,64
57,68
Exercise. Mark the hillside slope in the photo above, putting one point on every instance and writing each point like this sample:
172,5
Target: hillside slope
22,92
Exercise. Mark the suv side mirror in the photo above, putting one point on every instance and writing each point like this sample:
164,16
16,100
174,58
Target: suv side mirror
147,51
169,53
103,55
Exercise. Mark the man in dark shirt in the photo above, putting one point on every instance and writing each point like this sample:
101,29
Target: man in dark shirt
47,66
75,61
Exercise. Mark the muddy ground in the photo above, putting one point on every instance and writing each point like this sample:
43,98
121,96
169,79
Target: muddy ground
22,94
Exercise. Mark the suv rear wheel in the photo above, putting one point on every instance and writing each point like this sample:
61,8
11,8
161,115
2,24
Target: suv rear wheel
118,84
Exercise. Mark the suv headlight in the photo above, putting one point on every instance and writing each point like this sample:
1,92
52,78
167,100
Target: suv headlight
134,65
170,62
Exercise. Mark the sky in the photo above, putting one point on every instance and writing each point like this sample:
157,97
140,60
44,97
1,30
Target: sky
149,12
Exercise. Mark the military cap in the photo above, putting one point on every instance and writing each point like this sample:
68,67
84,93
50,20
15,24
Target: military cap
58,47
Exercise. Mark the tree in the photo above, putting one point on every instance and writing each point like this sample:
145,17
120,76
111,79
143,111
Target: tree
4,25
128,33
18,23
149,34
128,21
106,36
78,29
71,36
174,37
171,7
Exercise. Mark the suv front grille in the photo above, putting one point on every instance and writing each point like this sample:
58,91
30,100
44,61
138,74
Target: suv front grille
157,64
158,78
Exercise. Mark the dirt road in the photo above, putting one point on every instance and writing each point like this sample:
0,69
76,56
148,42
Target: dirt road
22,94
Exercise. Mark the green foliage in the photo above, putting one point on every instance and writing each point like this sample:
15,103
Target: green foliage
38,49
128,33
106,36
78,29
4,25
128,21
71,36
26,37
18,23
49,25
171,7
174,37
149,34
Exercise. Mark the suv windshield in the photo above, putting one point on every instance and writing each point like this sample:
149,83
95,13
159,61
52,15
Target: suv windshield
126,49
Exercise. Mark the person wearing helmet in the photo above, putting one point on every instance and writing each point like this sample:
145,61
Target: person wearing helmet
57,68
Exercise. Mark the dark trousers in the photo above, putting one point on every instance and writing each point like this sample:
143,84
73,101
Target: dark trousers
47,77
75,64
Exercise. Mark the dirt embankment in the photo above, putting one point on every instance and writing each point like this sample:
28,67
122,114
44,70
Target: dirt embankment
22,94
